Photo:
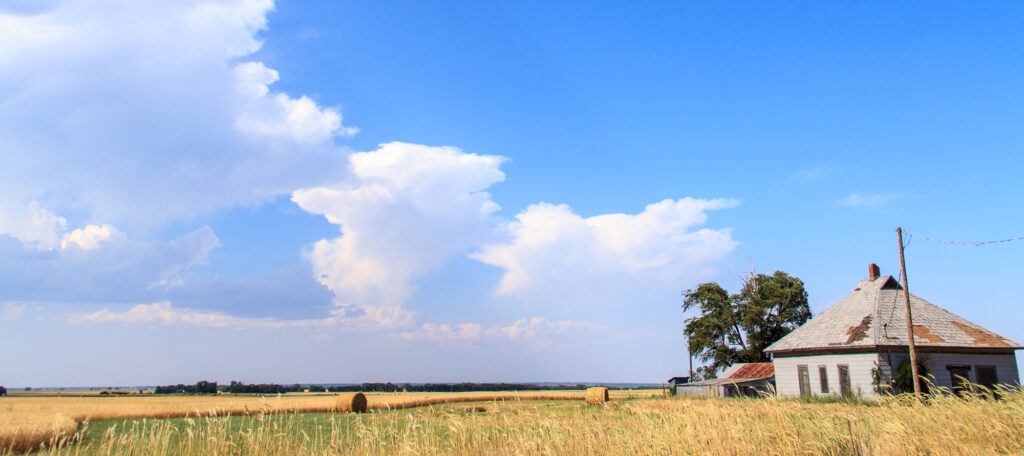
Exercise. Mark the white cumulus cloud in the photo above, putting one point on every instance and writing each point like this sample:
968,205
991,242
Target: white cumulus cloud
13,311
31,224
280,115
90,236
133,114
147,111
98,263
868,201
561,258
167,314
536,331
164,313
42,229
532,328
444,333
406,211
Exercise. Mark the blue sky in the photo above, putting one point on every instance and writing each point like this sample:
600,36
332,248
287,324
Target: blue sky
358,191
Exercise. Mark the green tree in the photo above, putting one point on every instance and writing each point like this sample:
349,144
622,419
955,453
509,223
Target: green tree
770,307
737,328
715,336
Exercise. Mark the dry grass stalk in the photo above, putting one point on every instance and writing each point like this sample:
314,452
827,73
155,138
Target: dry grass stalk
897,425
20,440
29,421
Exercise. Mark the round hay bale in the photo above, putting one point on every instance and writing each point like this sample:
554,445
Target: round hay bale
597,395
350,402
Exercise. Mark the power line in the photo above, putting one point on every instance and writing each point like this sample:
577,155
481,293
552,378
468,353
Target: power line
895,299
903,243
972,244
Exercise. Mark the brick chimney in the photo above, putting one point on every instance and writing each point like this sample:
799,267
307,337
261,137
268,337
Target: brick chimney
873,272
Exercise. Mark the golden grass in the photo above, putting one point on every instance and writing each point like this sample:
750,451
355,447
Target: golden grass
427,399
942,426
28,421
27,433
77,393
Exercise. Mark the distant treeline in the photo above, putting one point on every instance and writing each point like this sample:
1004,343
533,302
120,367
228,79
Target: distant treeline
203,387
449,387
236,387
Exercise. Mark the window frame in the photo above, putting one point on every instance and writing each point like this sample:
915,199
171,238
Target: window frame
845,382
995,375
803,378
823,378
959,386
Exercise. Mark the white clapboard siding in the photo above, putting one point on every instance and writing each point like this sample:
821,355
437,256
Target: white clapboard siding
787,380
1006,365
873,318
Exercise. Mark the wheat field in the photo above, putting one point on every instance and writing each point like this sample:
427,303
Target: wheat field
942,425
31,420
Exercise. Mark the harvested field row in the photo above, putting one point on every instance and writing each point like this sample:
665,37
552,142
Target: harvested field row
656,427
28,422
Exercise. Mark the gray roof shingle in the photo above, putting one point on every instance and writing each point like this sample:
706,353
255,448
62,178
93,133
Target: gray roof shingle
874,315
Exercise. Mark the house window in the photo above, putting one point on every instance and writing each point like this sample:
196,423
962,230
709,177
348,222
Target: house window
987,376
844,380
823,373
805,380
959,377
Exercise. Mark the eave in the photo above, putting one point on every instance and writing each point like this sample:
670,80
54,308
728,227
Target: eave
891,349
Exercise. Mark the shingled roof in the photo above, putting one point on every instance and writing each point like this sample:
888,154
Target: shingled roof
750,371
739,373
874,315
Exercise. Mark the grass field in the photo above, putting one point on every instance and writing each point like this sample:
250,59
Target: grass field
627,425
28,420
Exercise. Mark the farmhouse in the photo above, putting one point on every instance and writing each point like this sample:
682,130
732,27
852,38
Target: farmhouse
855,346
741,379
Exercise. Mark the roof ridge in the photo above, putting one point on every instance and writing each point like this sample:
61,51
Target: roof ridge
873,314
876,323
892,312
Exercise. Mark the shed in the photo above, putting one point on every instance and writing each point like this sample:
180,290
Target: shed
742,379
676,381
855,346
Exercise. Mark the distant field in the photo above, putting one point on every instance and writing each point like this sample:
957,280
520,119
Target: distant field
30,418
630,424
76,392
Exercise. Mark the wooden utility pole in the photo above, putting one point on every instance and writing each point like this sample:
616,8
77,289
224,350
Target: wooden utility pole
690,379
910,318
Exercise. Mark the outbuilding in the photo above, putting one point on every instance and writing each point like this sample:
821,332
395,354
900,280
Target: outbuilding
676,381
856,346
741,379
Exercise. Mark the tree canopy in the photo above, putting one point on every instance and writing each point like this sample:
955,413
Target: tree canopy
736,328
